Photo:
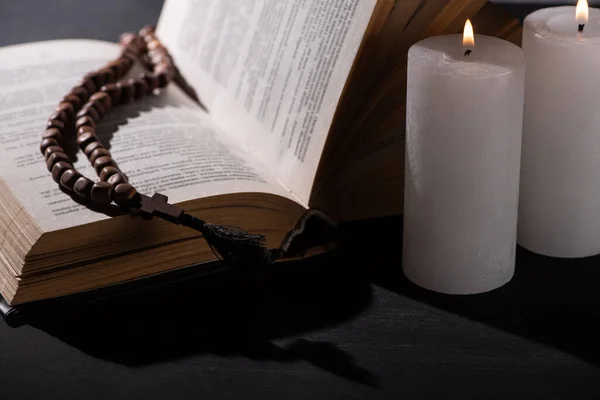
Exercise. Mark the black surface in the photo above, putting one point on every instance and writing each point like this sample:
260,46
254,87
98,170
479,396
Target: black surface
347,326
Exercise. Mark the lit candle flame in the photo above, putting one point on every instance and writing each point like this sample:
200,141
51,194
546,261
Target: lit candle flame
582,11
468,35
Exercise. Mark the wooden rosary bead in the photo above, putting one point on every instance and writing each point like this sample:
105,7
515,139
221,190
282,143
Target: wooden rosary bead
84,139
85,129
102,193
83,121
91,147
88,111
52,133
129,54
48,142
103,98
101,152
74,101
127,91
66,108
151,81
117,179
53,149
117,68
83,187
127,38
107,172
153,44
54,158
102,162
127,62
68,178
59,168
107,74
59,115
55,123
97,105
126,195
140,87
81,93
97,77
147,30
114,91
89,85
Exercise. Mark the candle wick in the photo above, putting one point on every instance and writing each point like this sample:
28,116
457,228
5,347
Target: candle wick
580,29
468,52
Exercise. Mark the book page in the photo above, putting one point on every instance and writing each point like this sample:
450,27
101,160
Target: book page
163,143
270,72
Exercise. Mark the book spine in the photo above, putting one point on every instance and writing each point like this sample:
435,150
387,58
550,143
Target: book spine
10,314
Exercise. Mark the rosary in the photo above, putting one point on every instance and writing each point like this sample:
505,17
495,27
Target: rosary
86,104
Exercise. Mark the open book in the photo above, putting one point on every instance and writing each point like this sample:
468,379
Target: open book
303,108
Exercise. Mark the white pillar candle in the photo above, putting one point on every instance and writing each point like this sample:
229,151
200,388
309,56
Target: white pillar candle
559,210
463,148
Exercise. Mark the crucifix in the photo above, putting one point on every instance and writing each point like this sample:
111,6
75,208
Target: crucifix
158,205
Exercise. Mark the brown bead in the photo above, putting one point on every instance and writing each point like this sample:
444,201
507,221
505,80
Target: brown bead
117,68
81,93
153,44
97,105
67,108
74,101
48,142
83,121
54,158
127,62
89,111
53,149
91,147
102,162
117,179
141,87
52,133
84,139
108,74
114,91
55,123
100,152
132,48
97,77
89,85
126,195
103,98
107,172
97,153
59,115
102,193
127,91
127,38
68,178
85,129
59,168
151,81
147,30
83,187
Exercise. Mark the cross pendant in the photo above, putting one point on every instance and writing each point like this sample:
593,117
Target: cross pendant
158,206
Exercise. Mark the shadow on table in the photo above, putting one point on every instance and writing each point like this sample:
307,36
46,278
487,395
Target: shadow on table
223,314
552,301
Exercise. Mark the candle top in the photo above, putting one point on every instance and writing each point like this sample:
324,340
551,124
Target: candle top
560,24
445,55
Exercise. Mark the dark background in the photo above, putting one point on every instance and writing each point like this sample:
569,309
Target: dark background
344,327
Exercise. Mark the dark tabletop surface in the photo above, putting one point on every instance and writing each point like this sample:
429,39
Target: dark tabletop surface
346,327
